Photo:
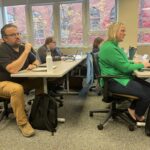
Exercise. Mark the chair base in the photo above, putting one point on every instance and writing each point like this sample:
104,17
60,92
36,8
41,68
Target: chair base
5,113
114,113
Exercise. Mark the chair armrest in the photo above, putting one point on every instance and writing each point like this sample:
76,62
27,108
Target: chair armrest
109,76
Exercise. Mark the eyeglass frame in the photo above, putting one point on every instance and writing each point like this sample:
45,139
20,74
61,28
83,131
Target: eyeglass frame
13,35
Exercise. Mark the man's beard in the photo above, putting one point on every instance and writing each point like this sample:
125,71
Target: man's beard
14,45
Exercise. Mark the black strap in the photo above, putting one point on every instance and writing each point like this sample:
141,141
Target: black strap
35,106
49,125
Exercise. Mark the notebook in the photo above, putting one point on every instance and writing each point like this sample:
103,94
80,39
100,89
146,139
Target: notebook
145,69
43,68
42,65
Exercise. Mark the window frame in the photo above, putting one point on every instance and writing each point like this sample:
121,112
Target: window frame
56,17
142,29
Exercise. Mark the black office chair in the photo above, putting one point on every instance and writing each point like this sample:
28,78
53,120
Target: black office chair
58,97
5,111
96,87
114,99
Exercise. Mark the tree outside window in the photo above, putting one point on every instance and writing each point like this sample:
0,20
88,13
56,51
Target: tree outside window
144,22
42,17
71,24
102,13
16,15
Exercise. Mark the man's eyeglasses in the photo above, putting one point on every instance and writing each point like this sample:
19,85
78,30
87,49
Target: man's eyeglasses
13,35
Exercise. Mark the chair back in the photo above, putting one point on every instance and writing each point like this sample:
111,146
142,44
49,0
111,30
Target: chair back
97,74
95,64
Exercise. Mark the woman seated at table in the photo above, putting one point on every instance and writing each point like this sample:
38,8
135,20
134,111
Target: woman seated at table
113,61
50,45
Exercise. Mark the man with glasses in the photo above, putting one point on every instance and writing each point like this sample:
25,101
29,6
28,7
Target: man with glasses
14,57
49,45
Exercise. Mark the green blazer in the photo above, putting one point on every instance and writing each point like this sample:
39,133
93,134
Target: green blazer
113,61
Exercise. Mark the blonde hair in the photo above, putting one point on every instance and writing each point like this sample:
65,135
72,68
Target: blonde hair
112,31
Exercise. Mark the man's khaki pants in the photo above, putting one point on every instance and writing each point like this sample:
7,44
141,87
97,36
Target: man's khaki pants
15,92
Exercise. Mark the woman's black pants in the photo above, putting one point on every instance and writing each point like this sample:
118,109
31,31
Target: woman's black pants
136,87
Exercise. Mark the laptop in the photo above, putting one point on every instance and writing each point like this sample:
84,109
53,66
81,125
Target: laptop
72,57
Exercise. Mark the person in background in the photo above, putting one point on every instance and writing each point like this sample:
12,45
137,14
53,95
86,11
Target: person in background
96,44
113,61
49,45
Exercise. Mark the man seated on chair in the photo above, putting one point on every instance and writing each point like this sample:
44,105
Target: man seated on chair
15,92
113,61
14,57
50,45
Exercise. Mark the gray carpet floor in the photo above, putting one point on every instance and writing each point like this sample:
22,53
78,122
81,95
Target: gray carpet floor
79,132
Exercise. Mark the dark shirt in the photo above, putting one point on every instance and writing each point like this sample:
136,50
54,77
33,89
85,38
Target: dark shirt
7,56
42,52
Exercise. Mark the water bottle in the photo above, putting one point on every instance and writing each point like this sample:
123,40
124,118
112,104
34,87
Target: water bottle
49,62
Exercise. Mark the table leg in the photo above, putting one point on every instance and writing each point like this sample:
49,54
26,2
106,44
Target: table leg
62,120
45,85
67,80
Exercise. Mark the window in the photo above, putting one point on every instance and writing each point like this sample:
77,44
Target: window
71,27
102,13
1,23
144,22
71,16
42,17
16,15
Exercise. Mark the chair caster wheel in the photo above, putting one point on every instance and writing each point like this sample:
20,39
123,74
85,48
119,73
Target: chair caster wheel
100,127
91,114
131,128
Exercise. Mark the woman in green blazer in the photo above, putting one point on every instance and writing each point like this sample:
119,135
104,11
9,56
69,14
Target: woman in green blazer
114,61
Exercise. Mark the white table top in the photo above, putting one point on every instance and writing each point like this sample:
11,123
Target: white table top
62,68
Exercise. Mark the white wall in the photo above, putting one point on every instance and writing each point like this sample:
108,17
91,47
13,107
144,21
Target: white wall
128,14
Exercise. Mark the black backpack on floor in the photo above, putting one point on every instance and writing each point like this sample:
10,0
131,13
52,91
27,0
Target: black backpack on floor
43,114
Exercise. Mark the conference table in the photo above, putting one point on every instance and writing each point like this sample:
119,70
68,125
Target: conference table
60,68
